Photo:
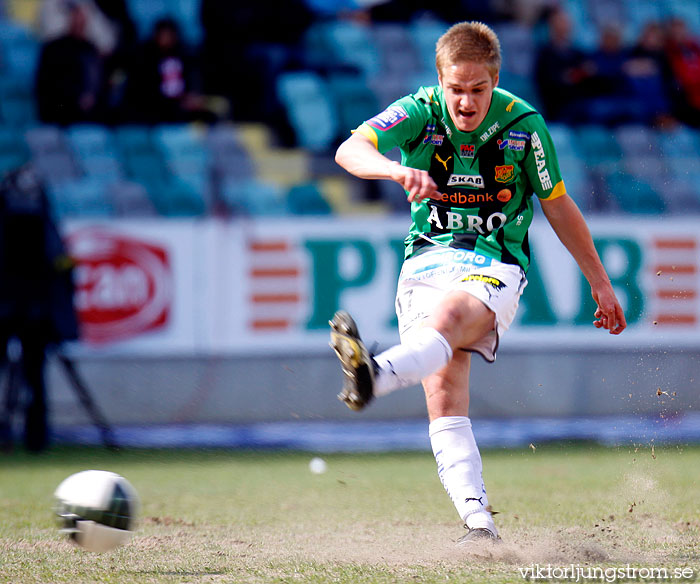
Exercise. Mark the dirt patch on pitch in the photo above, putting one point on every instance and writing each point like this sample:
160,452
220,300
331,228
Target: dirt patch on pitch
613,541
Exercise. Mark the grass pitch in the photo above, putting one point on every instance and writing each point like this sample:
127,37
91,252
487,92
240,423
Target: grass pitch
221,516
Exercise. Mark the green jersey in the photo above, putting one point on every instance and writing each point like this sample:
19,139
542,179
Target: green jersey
487,177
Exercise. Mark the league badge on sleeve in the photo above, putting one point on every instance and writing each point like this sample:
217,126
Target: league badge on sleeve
391,116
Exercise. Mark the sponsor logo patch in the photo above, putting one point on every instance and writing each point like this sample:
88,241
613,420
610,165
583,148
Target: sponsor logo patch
441,161
489,280
504,173
518,135
504,195
511,144
538,151
466,180
488,133
466,151
388,118
431,137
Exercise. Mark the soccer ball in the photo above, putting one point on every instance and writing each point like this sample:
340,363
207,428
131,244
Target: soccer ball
96,509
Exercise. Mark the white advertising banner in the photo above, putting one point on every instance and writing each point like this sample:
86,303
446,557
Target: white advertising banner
270,285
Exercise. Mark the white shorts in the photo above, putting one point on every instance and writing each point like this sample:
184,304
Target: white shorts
426,278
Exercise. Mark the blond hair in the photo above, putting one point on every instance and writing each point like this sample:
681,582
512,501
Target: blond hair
471,42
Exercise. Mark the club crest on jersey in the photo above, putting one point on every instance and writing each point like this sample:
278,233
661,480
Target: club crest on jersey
504,173
466,150
388,118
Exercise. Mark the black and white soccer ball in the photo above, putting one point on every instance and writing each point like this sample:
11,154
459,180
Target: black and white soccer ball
97,509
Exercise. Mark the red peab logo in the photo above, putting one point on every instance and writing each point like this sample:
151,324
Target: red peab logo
123,285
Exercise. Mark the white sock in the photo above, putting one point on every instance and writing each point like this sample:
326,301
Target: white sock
406,364
459,469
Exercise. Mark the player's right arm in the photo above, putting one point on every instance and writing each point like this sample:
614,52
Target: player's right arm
360,157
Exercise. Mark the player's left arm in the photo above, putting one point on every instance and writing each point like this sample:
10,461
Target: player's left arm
568,223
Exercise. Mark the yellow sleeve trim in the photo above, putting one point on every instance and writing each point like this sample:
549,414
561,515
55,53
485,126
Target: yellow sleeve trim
558,191
368,132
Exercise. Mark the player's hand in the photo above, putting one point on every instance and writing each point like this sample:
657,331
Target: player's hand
418,183
609,314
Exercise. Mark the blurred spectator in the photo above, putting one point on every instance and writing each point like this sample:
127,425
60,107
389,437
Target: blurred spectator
561,72
117,63
36,298
650,76
246,46
164,81
610,98
69,74
55,18
683,52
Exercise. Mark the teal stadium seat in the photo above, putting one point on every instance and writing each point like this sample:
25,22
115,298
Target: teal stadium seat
425,33
84,197
309,108
306,199
352,44
19,52
599,147
229,158
176,198
13,151
578,182
254,197
130,199
634,195
679,142
354,102
89,139
397,53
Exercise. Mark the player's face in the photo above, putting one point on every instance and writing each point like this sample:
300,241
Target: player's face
468,88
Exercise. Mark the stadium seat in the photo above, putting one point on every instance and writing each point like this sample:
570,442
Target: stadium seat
56,167
577,181
306,199
354,102
679,142
45,140
425,33
634,195
309,108
133,139
130,199
179,140
105,167
638,13
599,146
19,51
253,197
397,53
90,139
228,155
564,139
637,140
175,198
145,167
18,111
13,151
517,48
352,44
85,197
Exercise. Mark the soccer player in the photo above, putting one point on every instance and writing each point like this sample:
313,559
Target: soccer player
472,156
